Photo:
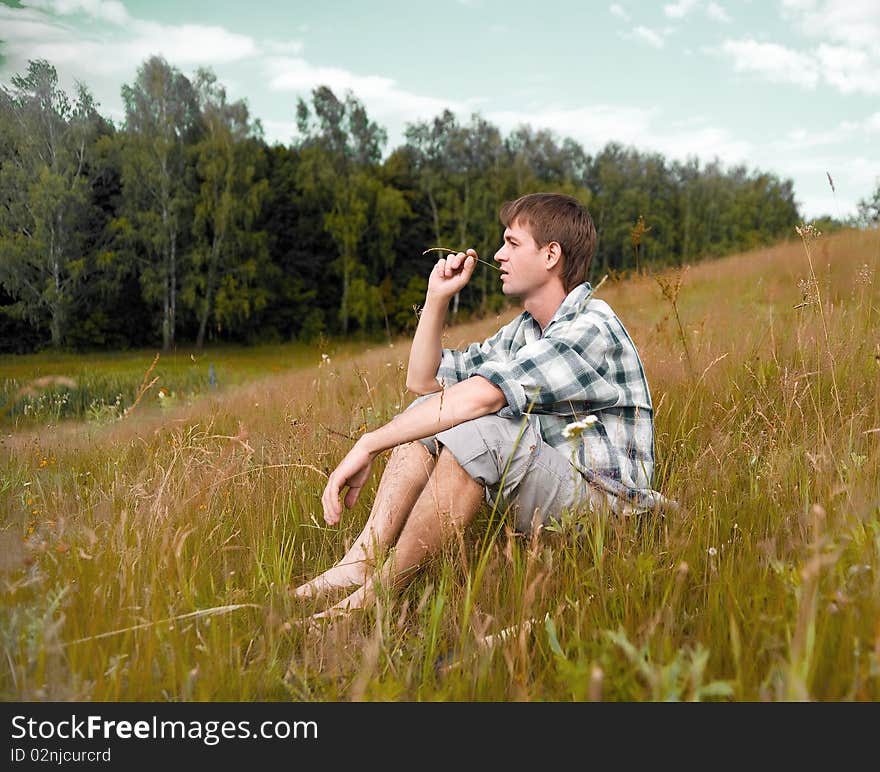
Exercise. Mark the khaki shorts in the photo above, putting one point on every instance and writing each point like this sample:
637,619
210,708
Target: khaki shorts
518,469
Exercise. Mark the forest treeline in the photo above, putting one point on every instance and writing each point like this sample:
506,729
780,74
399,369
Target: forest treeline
182,225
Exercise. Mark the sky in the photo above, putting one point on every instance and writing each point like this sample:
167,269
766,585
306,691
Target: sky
786,86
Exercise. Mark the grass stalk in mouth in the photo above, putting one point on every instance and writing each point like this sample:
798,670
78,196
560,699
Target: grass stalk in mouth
454,251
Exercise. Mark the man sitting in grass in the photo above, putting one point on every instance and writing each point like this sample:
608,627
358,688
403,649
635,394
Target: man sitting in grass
551,414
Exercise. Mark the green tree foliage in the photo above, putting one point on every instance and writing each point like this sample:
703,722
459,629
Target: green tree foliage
112,312
161,119
44,196
340,152
452,163
869,208
627,185
693,211
187,225
300,248
228,254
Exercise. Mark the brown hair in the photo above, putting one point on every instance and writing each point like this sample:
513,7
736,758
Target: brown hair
560,218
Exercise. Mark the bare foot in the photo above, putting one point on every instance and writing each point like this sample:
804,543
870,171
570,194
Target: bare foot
340,577
354,602
331,614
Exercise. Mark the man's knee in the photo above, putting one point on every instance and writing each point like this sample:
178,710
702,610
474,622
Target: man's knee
457,492
408,458
408,450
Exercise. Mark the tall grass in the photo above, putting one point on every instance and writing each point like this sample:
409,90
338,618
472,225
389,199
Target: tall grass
151,558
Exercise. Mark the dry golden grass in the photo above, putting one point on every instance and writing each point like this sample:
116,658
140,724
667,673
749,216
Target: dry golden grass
150,558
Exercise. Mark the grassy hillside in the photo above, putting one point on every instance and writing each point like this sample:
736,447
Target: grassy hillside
151,557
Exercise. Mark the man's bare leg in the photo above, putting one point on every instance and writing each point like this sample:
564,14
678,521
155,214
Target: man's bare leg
402,482
447,504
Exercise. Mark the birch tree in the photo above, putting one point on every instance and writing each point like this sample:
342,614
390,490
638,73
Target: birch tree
161,116
44,195
227,253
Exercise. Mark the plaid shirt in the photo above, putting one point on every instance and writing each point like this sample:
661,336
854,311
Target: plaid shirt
583,363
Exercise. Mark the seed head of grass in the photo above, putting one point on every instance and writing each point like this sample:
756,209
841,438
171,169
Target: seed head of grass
671,286
865,274
808,232
638,231
809,292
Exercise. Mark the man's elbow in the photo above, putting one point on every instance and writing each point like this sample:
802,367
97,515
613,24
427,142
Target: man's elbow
490,397
421,389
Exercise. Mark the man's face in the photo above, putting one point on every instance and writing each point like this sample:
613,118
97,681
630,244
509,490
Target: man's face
521,261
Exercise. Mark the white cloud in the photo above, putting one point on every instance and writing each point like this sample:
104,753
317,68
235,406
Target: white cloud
705,142
592,126
680,9
854,178
716,12
776,62
847,56
188,44
653,37
595,126
847,65
20,25
849,69
104,46
850,22
618,11
844,132
648,36
284,47
182,46
33,34
384,99
279,131
104,10
646,129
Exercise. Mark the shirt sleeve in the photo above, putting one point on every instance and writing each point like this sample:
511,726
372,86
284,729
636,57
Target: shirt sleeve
572,368
459,365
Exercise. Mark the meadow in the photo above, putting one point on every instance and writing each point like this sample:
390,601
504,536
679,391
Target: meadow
100,387
149,555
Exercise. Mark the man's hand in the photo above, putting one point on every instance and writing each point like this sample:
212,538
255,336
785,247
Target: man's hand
352,473
452,273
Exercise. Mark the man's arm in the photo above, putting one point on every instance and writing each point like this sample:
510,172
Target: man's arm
448,276
461,402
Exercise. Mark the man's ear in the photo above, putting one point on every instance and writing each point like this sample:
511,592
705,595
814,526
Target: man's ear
554,256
